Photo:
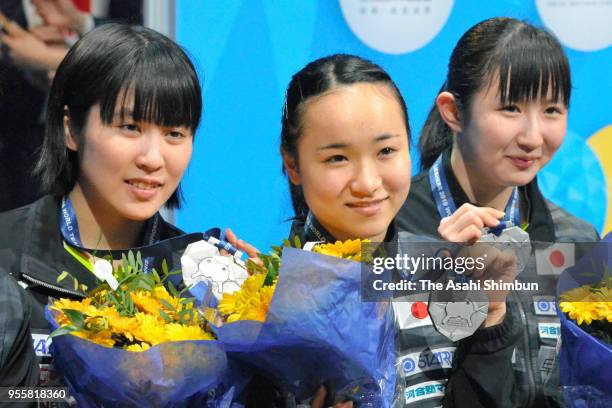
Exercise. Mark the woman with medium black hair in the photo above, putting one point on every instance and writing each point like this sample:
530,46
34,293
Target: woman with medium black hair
345,145
499,118
123,109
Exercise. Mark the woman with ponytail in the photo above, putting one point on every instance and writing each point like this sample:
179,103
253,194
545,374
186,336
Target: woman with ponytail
345,147
499,118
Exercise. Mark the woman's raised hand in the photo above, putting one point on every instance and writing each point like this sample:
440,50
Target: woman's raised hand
466,224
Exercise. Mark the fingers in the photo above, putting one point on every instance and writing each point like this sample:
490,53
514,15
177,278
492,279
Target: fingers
241,245
249,249
14,30
231,237
319,398
48,34
466,224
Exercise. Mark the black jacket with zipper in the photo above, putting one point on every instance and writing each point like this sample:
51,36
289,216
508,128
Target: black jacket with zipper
472,372
535,376
32,252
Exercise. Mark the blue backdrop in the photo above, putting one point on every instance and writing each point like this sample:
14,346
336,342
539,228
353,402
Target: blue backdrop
246,52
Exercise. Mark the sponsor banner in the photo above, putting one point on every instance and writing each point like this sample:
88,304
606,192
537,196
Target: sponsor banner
590,28
549,330
425,390
544,305
546,361
411,314
426,360
555,258
396,26
41,343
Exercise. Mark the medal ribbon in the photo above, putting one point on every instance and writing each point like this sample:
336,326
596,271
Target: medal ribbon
69,228
446,205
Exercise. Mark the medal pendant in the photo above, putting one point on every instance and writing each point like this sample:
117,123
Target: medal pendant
458,314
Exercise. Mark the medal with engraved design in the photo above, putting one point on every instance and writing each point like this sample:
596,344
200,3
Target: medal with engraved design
457,314
513,238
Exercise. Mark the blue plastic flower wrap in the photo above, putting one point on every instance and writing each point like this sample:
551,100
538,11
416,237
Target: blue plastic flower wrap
585,361
319,331
173,374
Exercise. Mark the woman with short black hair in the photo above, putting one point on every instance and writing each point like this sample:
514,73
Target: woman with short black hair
123,110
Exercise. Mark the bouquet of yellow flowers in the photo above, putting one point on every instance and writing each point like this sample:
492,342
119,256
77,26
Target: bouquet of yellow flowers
135,339
585,311
299,320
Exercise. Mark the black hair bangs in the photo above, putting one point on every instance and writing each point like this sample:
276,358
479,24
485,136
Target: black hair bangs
158,88
531,67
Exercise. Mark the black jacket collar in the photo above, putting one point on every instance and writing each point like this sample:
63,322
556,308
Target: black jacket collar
44,258
311,230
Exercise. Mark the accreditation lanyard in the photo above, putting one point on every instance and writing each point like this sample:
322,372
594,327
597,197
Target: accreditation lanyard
446,205
69,228
313,228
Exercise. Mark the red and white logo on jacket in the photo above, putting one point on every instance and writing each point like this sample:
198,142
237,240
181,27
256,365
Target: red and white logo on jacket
555,258
412,314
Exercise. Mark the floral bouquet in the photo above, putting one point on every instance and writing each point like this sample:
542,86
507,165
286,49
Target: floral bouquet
585,311
299,320
135,340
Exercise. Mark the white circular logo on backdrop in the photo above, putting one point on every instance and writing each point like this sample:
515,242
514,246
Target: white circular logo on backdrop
396,26
580,24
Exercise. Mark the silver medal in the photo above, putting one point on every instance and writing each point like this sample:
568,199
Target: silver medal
514,238
458,314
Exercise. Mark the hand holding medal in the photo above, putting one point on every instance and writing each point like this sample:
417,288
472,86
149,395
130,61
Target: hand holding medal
504,251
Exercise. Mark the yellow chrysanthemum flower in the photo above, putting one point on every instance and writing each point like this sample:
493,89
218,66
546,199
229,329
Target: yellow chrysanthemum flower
179,332
350,249
585,304
138,347
102,338
160,292
145,302
250,302
580,312
150,329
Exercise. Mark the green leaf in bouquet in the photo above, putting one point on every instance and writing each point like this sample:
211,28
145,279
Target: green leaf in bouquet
185,312
132,260
143,283
130,307
139,263
125,266
97,324
165,316
60,331
76,317
167,305
298,243
164,266
174,273
155,276
172,289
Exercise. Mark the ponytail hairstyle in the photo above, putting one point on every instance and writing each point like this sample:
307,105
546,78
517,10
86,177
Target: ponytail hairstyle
314,79
529,61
